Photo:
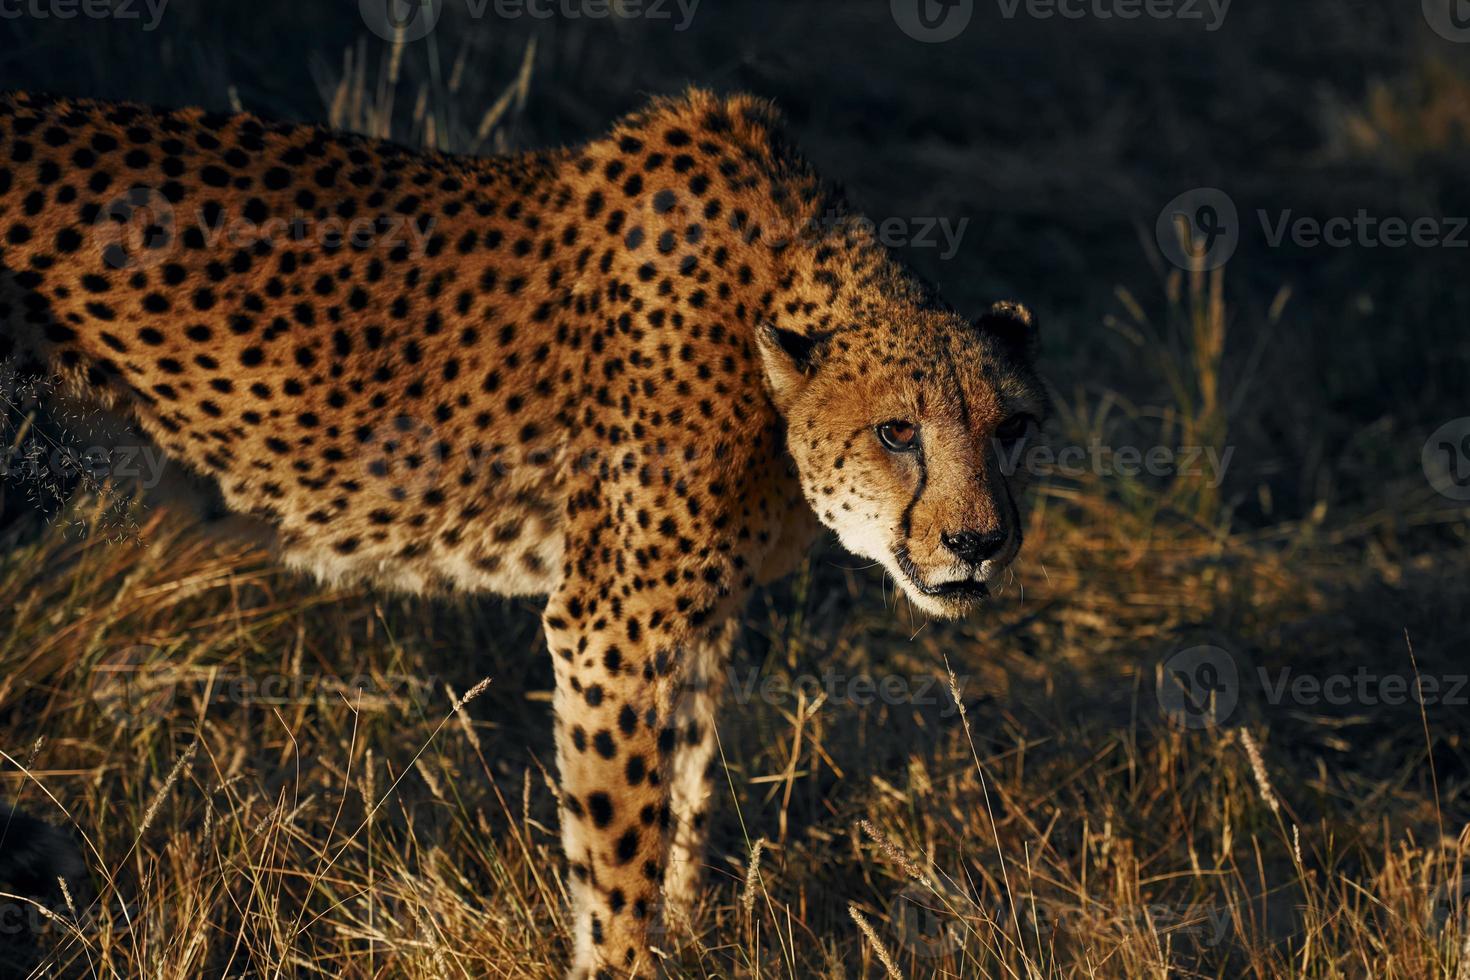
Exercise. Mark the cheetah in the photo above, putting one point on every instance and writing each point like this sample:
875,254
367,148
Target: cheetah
636,377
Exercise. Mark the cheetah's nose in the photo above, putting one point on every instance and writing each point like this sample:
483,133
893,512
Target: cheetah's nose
972,546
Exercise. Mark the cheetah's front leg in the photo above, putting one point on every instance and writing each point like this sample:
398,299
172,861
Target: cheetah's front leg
695,717
620,663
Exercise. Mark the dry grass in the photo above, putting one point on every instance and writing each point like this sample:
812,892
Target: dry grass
364,820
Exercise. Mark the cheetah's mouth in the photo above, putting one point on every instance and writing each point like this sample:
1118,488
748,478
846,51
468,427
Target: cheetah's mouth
961,590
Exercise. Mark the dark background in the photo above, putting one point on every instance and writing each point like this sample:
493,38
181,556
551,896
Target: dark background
1059,140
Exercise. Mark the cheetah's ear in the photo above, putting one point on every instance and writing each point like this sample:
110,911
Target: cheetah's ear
790,359
1012,324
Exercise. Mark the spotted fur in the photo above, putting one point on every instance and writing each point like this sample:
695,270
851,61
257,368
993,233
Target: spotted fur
632,376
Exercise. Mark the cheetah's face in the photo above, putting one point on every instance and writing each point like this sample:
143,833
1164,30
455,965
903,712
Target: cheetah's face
914,453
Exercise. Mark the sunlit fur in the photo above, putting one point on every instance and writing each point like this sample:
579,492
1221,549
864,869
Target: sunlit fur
591,383
904,358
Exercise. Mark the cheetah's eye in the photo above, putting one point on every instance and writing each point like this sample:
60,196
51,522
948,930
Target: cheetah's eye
1016,427
899,437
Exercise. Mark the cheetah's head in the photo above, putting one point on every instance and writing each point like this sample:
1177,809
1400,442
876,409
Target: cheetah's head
909,437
